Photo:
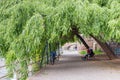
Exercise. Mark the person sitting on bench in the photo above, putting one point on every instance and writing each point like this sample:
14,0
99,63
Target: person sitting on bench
90,53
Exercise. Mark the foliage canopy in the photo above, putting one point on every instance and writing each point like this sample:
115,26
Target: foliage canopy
26,25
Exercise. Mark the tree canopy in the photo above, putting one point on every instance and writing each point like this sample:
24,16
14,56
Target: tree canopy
26,25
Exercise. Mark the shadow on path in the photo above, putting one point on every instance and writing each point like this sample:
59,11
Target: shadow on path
71,67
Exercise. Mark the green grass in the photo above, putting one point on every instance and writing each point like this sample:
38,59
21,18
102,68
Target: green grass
97,52
83,52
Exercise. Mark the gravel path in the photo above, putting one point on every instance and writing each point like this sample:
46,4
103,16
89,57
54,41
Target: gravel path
71,67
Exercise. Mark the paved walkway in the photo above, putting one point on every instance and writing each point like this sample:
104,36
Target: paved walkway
3,70
71,67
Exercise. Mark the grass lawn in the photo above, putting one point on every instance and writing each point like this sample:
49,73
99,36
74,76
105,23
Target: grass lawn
97,52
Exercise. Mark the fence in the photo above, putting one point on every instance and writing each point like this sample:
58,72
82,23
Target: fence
117,51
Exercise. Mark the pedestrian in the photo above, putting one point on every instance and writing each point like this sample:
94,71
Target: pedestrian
52,57
89,54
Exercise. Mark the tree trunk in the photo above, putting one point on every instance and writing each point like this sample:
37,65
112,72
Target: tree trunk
82,40
103,45
106,48
76,32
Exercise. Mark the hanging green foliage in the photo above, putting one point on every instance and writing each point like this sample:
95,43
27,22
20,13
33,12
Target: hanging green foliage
26,26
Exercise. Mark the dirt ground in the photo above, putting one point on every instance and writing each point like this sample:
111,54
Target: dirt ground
71,67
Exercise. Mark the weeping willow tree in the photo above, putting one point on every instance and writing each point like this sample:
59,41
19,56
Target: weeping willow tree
96,18
26,26
21,29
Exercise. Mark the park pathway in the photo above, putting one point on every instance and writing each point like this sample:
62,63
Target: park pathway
71,67
3,70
